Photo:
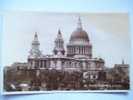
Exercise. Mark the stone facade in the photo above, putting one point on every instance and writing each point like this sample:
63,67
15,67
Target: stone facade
77,57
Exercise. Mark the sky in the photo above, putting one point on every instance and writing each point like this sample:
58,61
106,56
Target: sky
108,33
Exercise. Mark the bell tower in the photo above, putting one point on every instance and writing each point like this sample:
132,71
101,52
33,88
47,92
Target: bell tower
59,44
35,51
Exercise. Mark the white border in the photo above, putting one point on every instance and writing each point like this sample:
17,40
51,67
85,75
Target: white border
69,91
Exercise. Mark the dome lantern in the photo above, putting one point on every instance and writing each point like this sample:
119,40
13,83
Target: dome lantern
79,24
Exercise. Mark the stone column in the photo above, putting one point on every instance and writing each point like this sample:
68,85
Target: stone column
30,64
67,64
72,50
39,64
45,65
77,65
84,65
52,64
42,64
33,65
83,50
80,51
59,65
87,50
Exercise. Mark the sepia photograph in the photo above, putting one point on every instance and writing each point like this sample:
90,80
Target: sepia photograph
45,52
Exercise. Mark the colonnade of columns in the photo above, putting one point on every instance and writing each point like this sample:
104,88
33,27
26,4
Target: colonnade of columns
81,50
39,64
61,64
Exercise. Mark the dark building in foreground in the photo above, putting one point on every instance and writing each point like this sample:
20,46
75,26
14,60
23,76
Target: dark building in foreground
72,69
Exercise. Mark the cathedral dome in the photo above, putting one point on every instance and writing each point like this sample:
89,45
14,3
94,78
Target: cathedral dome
79,34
